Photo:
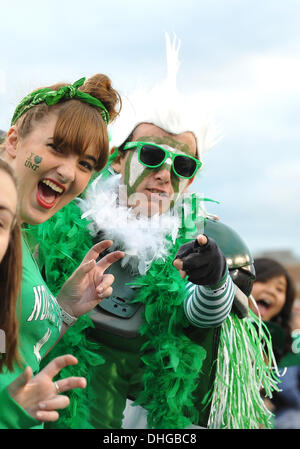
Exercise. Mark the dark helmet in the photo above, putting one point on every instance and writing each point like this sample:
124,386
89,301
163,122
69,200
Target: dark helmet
238,257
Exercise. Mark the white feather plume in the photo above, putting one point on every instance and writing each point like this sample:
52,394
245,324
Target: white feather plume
165,107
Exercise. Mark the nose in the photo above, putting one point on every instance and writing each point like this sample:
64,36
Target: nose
163,174
66,170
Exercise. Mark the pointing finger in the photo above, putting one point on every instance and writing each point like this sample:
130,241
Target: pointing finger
202,239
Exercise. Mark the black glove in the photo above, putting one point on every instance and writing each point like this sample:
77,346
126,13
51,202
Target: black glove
204,264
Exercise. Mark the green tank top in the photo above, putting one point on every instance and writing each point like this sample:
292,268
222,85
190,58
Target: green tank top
41,320
40,324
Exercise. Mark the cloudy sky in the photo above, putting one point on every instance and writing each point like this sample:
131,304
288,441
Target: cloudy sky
240,57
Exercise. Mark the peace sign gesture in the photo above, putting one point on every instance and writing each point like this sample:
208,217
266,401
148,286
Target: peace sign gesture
89,284
39,395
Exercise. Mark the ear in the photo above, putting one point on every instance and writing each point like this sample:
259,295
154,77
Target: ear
11,142
116,164
190,181
188,184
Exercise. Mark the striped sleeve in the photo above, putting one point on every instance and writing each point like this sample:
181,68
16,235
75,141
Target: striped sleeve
209,307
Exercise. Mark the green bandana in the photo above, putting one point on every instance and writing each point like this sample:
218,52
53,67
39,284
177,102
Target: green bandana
51,97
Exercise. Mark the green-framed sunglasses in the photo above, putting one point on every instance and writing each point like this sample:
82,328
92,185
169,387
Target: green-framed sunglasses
153,156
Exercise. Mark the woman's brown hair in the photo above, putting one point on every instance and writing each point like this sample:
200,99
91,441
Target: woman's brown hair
79,125
10,284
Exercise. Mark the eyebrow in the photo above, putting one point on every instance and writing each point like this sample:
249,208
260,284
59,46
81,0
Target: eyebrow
92,158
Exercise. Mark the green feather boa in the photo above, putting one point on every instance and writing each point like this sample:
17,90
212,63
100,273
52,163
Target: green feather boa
172,361
60,251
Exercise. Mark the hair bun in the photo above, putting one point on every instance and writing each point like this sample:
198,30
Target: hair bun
100,86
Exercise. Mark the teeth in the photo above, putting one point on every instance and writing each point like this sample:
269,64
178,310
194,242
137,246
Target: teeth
264,301
158,192
53,186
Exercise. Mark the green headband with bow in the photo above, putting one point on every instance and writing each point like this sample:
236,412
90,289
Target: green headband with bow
51,97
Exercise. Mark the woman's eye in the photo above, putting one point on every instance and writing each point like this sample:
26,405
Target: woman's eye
87,165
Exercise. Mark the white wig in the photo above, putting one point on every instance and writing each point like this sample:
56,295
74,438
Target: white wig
165,107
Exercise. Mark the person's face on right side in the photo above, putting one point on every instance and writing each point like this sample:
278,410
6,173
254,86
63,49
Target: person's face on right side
270,297
154,189
8,209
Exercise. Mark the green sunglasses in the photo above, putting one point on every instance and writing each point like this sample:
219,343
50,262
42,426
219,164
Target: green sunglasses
153,156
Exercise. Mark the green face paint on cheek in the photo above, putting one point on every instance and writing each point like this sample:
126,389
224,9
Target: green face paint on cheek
134,173
178,184
33,161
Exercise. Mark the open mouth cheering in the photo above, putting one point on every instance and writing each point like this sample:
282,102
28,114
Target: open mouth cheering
48,193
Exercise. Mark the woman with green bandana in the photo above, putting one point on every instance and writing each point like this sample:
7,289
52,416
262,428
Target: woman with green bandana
58,137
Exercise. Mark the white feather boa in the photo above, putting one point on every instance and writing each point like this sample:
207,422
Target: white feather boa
141,238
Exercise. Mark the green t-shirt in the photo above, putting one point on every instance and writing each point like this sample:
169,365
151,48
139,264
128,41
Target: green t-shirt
39,328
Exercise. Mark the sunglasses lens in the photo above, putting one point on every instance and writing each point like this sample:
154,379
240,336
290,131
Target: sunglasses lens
184,166
151,156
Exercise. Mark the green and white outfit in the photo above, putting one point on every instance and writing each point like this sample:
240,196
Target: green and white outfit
181,374
39,328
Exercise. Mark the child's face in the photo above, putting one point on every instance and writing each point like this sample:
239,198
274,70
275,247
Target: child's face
270,297
8,207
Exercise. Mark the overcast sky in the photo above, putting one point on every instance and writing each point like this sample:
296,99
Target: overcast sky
242,57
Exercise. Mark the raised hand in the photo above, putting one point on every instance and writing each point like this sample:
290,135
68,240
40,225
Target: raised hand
39,395
202,260
88,284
